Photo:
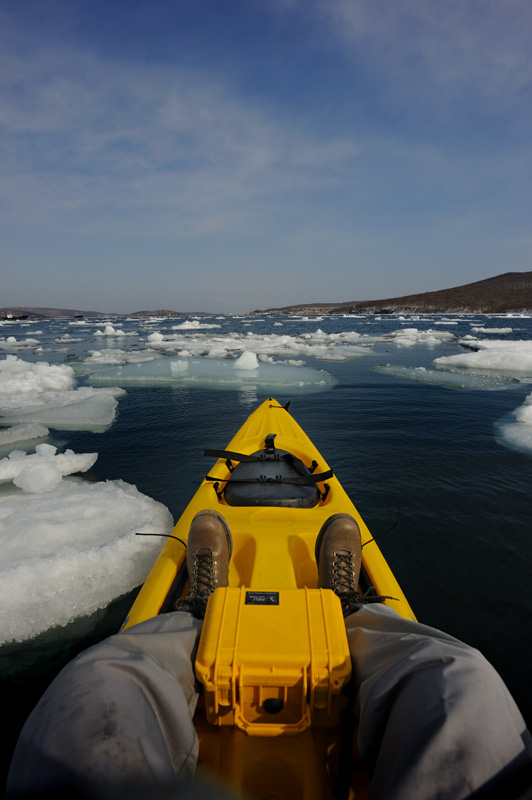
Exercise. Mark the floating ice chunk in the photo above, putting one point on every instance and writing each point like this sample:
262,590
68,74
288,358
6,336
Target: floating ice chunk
247,360
115,356
481,329
34,474
516,432
67,553
218,352
11,343
20,377
178,367
38,478
40,393
67,338
47,450
217,374
194,325
451,380
109,330
296,318
84,408
524,412
490,344
505,357
408,337
318,335
22,433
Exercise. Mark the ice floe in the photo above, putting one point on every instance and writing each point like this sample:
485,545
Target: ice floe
22,433
12,344
111,356
43,470
44,393
516,431
217,373
111,331
247,360
67,339
408,337
502,356
194,325
71,551
20,377
451,380
483,329
85,408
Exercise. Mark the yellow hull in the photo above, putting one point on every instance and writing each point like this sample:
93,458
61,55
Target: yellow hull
273,550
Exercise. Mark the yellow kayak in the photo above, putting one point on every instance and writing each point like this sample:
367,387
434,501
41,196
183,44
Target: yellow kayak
273,656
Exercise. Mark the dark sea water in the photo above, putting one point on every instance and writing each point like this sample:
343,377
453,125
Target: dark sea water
462,549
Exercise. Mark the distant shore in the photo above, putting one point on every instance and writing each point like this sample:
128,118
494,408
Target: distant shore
509,293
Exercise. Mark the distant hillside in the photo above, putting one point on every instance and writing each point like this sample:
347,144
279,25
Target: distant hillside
60,313
511,291
161,312
49,313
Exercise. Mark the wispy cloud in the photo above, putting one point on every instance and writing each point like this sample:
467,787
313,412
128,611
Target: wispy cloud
82,132
441,52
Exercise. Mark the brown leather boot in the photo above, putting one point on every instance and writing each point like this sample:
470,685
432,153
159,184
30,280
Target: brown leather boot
339,557
209,550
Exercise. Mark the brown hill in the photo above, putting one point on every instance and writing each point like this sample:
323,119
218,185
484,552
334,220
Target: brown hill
59,313
511,291
34,312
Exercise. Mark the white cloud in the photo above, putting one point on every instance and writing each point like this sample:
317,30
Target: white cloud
440,51
83,133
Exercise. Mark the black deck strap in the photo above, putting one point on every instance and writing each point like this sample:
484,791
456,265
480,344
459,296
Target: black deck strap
302,480
245,459
229,454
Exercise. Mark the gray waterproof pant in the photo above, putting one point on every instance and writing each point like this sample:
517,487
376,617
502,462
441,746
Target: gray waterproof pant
435,719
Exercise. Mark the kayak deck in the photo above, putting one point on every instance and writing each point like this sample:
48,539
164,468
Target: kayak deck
273,547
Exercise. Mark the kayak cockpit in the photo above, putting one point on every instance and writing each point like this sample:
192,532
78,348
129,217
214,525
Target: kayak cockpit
269,477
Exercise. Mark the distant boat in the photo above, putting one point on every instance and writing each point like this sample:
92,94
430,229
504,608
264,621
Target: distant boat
9,315
78,316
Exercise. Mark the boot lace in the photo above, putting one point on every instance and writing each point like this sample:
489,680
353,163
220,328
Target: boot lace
202,584
202,578
343,580
343,572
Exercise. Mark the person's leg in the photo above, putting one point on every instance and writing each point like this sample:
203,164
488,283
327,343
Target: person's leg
435,718
120,712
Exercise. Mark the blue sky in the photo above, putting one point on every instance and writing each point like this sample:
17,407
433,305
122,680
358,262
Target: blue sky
240,154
